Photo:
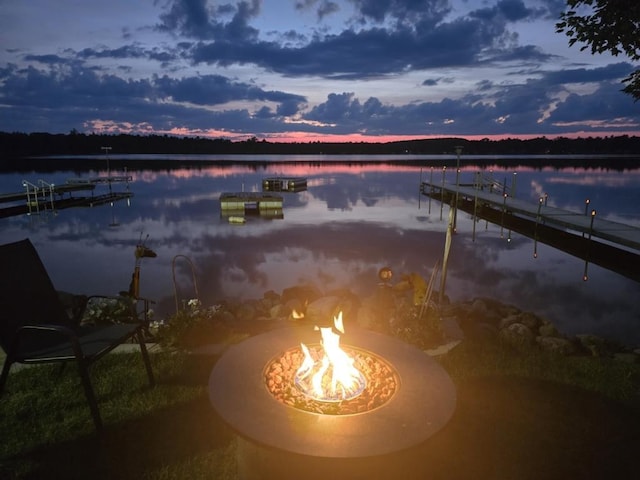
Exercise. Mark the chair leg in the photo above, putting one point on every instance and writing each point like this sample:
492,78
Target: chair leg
88,391
145,358
5,373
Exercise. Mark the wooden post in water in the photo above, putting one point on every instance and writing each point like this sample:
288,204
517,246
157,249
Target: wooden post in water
586,208
535,230
420,189
431,187
458,150
476,184
504,208
585,277
445,258
444,170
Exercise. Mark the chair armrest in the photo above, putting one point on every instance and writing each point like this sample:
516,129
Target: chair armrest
60,329
26,332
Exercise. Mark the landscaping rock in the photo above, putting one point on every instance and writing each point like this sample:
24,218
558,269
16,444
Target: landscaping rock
560,346
517,334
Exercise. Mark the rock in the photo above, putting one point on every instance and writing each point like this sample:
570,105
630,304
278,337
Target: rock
531,320
548,330
245,311
517,334
367,316
627,357
478,310
510,320
277,311
593,344
557,345
272,296
322,311
303,293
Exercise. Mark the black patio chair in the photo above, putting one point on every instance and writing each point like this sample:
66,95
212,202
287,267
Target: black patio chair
35,327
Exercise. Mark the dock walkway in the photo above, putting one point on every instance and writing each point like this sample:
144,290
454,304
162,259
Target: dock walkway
590,224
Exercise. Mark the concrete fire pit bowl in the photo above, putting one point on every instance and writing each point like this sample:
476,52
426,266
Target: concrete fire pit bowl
277,439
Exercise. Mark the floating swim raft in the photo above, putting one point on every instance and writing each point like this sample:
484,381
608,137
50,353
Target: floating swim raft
284,184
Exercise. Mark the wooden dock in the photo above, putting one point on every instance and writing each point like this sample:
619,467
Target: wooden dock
56,190
62,203
589,225
45,196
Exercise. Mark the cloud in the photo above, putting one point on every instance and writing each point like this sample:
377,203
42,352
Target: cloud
323,8
194,19
374,67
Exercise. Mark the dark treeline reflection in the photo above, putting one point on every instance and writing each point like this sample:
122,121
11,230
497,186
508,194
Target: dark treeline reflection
352,219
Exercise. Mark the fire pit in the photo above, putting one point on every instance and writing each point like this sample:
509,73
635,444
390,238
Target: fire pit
402,398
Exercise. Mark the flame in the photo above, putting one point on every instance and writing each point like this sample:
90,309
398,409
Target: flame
333,376
296,315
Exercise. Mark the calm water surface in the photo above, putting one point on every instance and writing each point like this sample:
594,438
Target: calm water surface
352,219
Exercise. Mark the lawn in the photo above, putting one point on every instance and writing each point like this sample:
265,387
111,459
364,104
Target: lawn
519,415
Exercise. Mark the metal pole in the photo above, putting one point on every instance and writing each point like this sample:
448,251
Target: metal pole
478,179
504,208
431,187
585,277
444,170
420,188
535,232
106,154
586,210
455,212
445,260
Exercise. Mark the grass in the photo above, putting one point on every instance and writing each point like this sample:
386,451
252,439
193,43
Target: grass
519,415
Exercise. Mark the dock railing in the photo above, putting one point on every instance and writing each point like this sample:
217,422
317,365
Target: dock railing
36,193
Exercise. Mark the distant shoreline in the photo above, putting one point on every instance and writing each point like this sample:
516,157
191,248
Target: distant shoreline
23,145
135,162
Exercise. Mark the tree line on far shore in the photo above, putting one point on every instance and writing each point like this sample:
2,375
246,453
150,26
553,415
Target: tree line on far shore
14,145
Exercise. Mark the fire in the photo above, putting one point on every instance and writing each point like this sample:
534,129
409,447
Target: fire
329,374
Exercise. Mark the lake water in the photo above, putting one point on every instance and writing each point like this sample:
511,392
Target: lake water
353,218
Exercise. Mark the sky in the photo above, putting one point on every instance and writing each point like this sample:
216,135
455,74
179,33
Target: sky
306,70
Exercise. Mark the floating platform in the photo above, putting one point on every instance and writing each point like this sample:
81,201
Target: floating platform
284,184
260,204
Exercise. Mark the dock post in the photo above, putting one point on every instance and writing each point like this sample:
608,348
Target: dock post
106,156
420,189
431,187
535,230
476,183
504,208
445,259
444,170
458,149
585,277
586,210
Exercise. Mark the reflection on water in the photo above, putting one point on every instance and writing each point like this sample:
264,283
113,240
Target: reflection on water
350,221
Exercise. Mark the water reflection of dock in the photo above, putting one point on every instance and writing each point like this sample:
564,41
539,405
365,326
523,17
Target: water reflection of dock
239,204
571,232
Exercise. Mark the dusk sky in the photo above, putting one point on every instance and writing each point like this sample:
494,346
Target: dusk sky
305,70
